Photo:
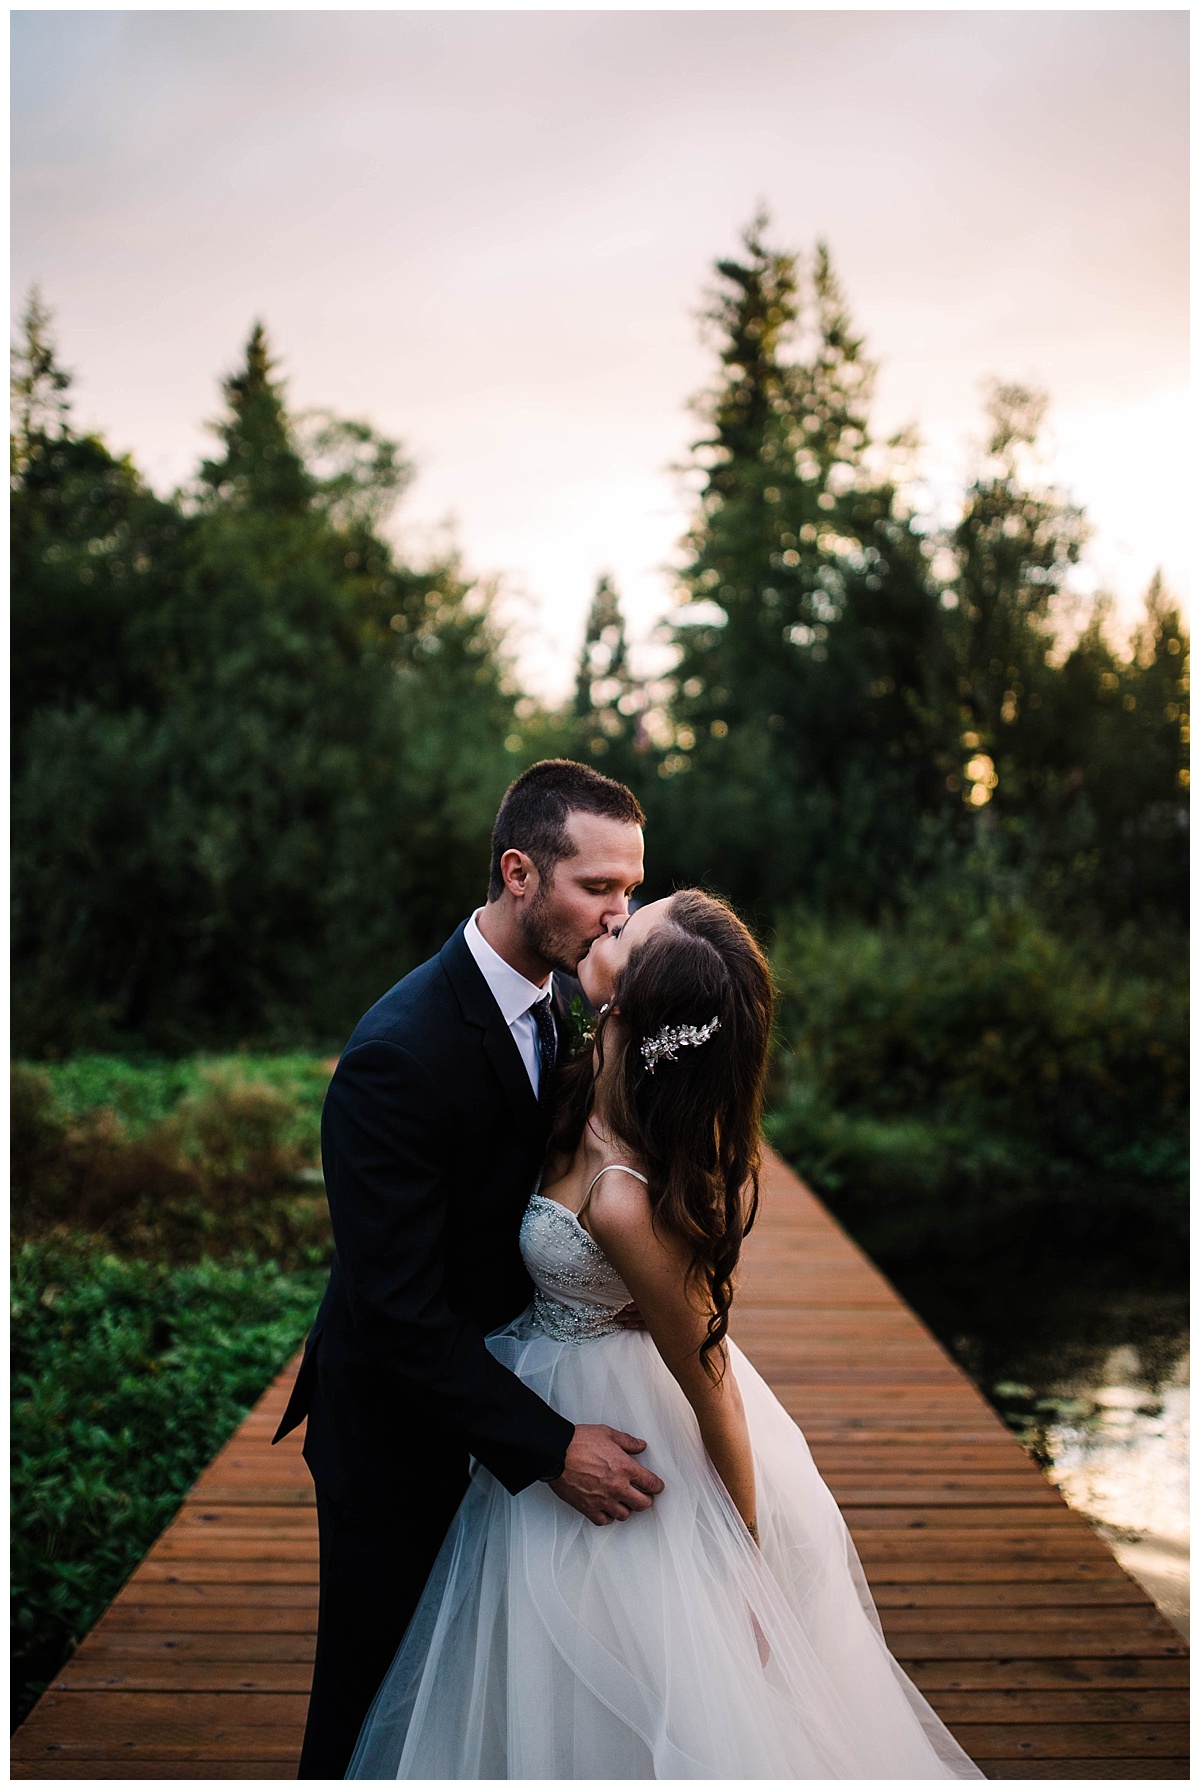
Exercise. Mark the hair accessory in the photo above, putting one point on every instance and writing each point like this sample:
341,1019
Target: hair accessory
666,1045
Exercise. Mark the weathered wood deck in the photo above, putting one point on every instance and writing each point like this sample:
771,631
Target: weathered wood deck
1041,1654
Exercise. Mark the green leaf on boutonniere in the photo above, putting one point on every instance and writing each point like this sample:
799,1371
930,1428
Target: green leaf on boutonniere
581,1028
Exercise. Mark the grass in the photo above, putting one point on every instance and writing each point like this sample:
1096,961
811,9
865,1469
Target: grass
141,1092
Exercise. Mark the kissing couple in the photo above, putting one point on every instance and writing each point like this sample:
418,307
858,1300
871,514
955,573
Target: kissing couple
566,1530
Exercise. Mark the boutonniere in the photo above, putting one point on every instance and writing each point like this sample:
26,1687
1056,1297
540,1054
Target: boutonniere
581,1028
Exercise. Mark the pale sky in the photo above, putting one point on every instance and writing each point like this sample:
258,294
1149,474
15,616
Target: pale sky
489,233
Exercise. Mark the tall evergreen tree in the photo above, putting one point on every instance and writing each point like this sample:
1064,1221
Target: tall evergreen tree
608,698
812,665
91,547
261,469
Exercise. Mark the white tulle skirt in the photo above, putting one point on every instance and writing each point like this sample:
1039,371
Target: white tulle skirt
667,1646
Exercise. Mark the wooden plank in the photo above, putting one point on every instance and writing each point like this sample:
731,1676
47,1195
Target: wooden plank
247,1616
1091,1769
986,1643
979,1546
273,1543
1127,1621
184,1672
1072,1740
141,1597
86,1766
929,1519
144,1722
932,1571
924,1491
116,1648
1043,1655
1048,1674
1034,1706
159,1569
1025,1594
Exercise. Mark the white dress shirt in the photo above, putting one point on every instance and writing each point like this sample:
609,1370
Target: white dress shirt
513,994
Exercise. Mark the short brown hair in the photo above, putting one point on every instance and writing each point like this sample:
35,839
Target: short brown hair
533,814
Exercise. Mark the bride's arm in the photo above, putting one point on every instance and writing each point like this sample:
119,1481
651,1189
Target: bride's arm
654,1268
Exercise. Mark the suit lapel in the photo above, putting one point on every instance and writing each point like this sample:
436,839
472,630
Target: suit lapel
480,1010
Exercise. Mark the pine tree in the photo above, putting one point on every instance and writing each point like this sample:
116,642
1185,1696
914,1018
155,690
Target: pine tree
38,384
608,698
832,387
90,546
812,664
261,468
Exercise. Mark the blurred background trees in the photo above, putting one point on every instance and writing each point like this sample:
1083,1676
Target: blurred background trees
256,754
255,757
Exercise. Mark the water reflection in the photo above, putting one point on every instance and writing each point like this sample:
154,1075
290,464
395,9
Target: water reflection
1118,1450
1088,1363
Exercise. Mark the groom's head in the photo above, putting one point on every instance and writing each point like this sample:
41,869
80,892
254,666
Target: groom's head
566,857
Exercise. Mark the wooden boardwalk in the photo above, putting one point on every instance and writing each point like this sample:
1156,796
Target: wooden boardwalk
1042,1655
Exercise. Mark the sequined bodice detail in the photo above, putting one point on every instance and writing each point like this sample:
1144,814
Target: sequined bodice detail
578,1289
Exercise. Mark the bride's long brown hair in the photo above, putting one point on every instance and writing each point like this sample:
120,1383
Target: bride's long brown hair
693,1121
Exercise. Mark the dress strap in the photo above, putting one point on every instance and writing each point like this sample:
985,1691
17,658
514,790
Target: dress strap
625,1170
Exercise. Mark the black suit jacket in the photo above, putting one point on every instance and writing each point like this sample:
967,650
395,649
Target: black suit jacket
431,1141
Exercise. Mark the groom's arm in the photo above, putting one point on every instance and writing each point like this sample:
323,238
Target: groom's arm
383,1134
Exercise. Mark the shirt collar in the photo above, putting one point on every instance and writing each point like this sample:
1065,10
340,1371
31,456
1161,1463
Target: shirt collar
512,992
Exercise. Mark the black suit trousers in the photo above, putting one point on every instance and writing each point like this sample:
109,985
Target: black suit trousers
374,1565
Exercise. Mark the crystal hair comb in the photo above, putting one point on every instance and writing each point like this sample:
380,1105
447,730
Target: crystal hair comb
666,1045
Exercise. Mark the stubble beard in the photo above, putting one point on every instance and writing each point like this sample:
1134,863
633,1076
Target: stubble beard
554,946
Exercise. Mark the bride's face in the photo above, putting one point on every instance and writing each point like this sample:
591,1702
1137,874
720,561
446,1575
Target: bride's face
599,970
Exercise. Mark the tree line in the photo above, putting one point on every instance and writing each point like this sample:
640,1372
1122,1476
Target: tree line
256,754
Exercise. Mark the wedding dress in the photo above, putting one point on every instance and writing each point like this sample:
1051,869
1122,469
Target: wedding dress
666,1646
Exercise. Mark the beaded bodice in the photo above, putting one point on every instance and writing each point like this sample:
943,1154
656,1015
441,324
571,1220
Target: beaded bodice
578,1289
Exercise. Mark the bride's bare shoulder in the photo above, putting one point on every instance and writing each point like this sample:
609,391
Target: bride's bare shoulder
619,1193
620,1209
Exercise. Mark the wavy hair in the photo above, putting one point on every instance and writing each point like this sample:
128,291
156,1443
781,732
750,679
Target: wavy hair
693,1121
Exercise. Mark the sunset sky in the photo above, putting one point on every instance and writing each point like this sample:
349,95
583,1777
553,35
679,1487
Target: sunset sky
490,232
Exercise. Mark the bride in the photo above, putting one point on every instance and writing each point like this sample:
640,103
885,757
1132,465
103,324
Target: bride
728,1632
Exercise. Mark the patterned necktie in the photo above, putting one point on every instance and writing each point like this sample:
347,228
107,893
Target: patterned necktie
547,1045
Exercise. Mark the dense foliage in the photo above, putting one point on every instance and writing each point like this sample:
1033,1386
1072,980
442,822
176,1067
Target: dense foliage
127,1377
255,758
228,1166
968,1070
863,695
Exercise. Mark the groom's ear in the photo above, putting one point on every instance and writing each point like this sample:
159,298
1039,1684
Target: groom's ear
519,874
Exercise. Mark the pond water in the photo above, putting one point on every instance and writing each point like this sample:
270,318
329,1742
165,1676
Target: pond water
1088,1364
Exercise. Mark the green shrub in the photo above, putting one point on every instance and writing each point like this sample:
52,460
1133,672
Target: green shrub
967,1062
127,1378
229,1167
145,1089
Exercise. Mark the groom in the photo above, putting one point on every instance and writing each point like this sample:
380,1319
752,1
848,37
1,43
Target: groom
432,1137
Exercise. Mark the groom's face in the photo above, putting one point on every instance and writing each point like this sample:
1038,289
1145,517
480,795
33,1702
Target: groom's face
586,893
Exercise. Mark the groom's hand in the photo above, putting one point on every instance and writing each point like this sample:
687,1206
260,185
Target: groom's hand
599,1478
